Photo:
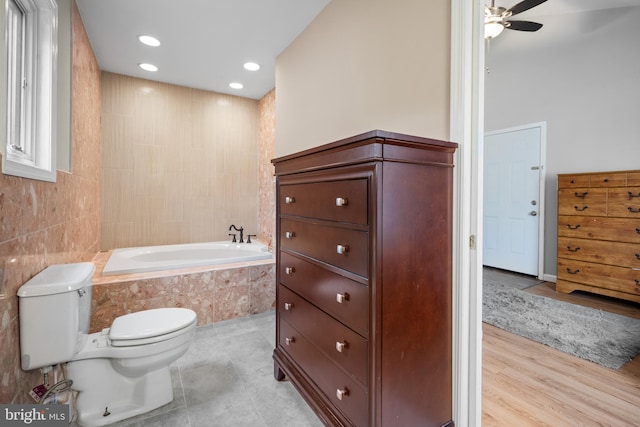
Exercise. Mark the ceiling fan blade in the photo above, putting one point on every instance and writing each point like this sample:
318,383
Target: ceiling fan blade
525,5
523,25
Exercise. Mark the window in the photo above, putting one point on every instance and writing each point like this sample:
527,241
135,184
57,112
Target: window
31,45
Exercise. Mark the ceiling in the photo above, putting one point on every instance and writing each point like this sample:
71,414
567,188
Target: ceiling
204,43
558,7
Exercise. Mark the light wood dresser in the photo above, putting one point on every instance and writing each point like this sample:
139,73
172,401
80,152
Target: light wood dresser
599,233
364,279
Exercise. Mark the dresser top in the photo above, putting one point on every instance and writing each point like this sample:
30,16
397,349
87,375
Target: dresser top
600,173
375,145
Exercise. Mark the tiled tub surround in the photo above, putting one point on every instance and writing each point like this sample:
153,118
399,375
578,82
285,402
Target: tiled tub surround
215,293
179,165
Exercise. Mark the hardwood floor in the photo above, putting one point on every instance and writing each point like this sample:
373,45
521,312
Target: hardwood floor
529,384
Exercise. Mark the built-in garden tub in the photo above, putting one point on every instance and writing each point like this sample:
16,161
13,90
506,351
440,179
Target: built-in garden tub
218,280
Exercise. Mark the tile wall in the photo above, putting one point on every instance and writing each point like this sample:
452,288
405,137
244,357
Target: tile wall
179,165
266,183
44,223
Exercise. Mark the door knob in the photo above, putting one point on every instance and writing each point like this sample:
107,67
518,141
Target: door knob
533,213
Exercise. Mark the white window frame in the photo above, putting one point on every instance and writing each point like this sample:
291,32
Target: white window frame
31,49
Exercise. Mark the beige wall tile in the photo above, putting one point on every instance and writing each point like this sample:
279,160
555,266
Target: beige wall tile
190,168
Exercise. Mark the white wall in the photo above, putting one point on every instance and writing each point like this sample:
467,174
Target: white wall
581,74
364,65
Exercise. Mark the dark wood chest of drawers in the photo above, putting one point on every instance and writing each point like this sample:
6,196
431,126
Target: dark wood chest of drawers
599,233
364,279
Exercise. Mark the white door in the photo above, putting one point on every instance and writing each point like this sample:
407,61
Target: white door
512,199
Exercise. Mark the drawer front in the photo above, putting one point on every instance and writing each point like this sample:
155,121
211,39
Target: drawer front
582,201
343,201
620,279
330,379
598,251
573,181
633,179
339,343
344,299
611,229
345,248
609,179
624,202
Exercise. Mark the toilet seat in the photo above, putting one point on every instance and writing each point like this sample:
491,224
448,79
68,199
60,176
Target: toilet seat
150,326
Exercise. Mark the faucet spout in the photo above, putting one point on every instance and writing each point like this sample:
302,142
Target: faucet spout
241,230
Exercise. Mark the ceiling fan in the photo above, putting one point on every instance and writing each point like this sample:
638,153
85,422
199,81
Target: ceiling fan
496,18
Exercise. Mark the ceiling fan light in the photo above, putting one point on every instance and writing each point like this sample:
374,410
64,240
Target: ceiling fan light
492,29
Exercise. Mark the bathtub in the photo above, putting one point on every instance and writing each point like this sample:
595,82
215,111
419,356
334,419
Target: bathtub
170,257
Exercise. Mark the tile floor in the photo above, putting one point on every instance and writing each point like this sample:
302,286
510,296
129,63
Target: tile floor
226,379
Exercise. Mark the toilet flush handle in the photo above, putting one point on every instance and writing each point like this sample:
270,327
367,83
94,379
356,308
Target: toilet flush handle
82,292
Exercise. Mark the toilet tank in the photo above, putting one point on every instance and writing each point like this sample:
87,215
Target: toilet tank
55,312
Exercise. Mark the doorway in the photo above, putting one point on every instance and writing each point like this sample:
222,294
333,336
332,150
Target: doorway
513,199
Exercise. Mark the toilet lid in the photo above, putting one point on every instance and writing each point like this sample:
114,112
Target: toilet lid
150,323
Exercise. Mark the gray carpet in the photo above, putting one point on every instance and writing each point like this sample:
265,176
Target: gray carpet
605,338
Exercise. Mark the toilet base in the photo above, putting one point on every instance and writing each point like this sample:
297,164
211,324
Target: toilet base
106,396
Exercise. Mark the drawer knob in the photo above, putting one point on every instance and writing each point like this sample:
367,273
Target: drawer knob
637,282
638,256
638,230
570,249
289,234
633,210
342,392
289,341
288,306
289,270
575,227
342,201
342,249
340,298
576,271
289,200
581,195
633,195
582,209
340,346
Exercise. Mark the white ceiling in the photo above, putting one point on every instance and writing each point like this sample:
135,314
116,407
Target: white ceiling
204,42
557,7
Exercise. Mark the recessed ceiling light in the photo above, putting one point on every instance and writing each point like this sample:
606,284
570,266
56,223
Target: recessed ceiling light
236,85
149,41
148,67
251,66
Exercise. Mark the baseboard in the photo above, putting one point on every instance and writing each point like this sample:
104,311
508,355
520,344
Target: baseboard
549,278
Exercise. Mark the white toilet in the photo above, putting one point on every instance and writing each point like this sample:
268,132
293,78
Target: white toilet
119,372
